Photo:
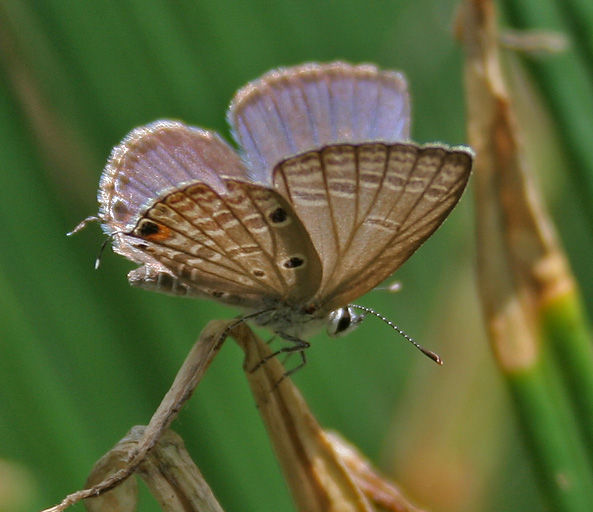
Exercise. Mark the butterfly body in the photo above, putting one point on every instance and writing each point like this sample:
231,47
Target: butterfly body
328,198
292,321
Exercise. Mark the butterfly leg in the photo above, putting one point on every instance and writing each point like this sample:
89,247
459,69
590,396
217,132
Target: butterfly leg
297,367
297,345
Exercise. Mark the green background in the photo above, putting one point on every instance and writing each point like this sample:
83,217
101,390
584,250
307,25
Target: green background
83,356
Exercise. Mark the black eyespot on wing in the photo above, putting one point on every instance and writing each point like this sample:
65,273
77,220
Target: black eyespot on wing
278,216
258,273
148,228
294,262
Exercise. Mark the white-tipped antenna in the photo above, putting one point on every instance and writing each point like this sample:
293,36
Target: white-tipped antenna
101,250
429,353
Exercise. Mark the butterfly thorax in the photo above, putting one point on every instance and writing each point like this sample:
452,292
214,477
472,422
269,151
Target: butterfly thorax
294,321
302,323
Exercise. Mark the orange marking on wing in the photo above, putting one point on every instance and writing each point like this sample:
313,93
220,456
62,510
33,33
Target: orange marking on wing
159,235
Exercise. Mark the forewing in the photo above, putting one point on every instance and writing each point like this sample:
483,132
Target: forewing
293,110
368,207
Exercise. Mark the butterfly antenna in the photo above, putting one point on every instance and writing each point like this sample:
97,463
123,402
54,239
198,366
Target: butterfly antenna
429,353
100,255
82,224
110,237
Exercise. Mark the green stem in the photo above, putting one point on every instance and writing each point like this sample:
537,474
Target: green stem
552,438
565,328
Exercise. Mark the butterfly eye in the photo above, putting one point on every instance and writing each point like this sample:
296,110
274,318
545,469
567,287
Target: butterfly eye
342,321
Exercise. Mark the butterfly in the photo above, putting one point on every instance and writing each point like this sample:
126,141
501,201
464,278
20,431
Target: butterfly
327,198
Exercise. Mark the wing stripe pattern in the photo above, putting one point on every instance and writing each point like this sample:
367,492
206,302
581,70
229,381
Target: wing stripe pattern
209,216
235,242
434,186
400,192
151,278
202,251
191,231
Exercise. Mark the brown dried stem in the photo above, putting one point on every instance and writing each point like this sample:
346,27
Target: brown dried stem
168,471
526,286
188,377
323,472
320,475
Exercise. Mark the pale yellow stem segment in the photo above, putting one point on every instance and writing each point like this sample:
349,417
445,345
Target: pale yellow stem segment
520,264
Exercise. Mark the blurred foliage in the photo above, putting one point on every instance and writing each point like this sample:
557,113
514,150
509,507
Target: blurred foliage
83,356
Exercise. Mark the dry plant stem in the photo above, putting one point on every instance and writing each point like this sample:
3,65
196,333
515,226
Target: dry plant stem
565,83
533,41
319,479
519,261
322,476
122,498
375,486
319,482
566,86
168,471
188,377
175,480
522,270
